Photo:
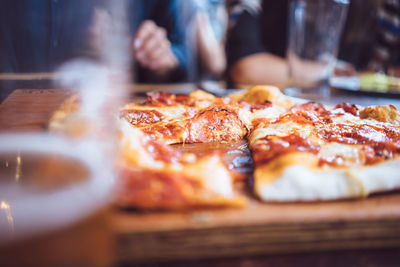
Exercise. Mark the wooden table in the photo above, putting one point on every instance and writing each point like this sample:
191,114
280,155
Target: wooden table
339,233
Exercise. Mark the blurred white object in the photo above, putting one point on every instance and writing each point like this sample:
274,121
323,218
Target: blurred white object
26,210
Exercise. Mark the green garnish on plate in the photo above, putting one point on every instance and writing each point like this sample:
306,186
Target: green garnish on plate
379,82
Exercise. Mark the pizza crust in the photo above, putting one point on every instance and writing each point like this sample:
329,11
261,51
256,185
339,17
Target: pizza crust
297,177
381,177
388,114
260,94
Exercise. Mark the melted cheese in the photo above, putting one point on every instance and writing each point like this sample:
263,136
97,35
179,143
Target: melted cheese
270,113
168,112
340,139
203,181
280,129
341,154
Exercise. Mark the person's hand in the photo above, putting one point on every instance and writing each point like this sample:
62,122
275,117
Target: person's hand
152,50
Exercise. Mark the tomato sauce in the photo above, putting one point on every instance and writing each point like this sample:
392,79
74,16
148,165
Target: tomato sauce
272,146
216,124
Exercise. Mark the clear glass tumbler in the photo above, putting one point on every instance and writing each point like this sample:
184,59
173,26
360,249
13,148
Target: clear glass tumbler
315,27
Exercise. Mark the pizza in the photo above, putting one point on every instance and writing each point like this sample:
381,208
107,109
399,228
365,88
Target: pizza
313,152
301,151
165,119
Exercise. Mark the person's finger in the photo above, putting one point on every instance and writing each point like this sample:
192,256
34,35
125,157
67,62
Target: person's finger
156,40
152,47
157,53
160,61
144,31
155,50
142,59
166,60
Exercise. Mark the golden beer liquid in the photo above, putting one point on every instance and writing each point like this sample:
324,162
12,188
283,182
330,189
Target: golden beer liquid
41,172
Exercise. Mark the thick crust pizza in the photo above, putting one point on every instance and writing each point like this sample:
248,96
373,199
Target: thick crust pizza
314,152
302,151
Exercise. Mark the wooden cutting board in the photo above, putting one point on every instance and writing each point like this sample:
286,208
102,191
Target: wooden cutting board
260,228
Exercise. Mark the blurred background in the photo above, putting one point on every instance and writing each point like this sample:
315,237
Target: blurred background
209,44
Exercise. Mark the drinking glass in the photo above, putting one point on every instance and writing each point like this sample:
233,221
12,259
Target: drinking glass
48,182
315,27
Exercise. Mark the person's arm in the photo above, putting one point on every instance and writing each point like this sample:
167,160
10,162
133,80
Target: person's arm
249,59
260,68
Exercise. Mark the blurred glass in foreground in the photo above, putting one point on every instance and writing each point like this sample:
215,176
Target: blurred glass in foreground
50,181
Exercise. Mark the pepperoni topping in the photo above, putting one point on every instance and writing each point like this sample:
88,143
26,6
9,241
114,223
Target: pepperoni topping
216,124
349,108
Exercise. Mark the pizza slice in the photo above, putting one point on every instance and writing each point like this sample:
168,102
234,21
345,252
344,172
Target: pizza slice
155,176
314,152
152,174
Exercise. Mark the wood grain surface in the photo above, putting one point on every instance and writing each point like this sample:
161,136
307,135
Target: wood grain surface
258,229
29,110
